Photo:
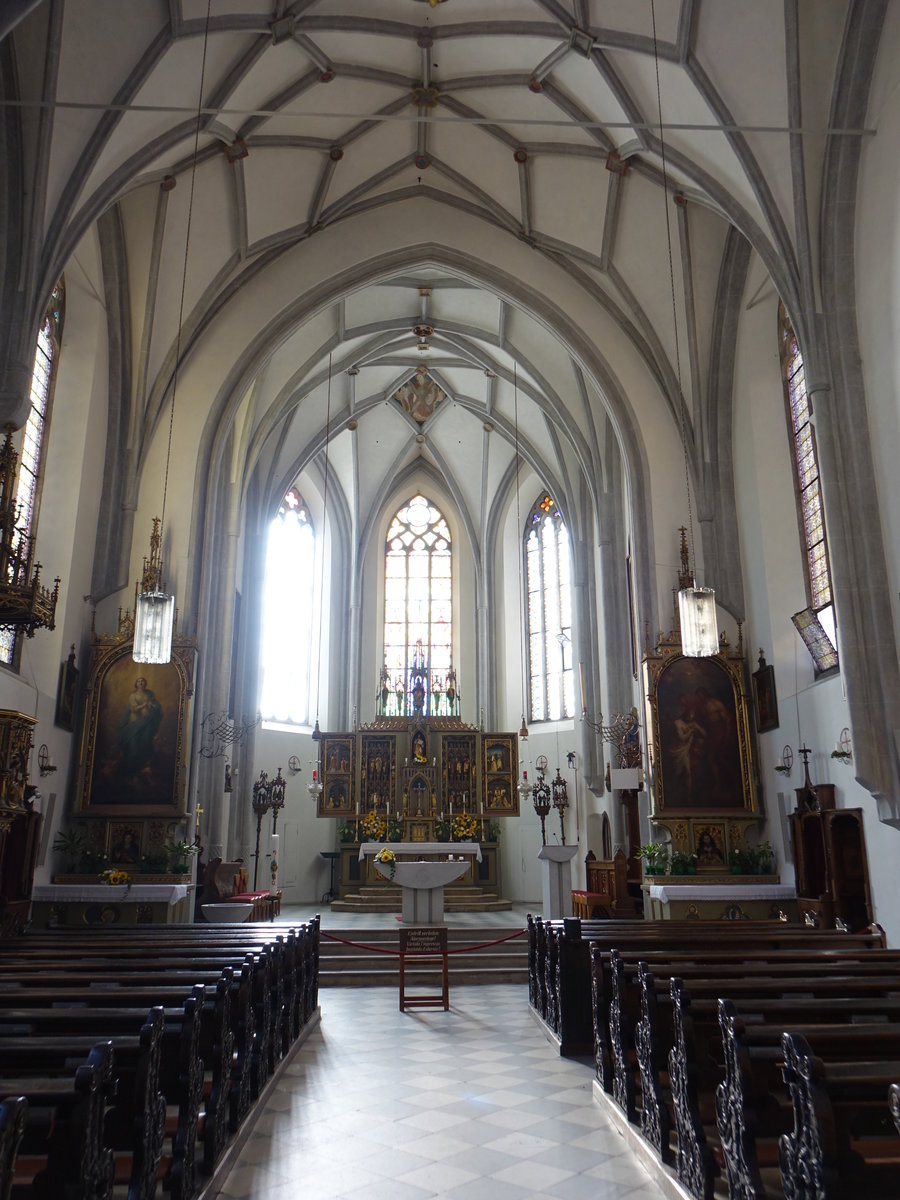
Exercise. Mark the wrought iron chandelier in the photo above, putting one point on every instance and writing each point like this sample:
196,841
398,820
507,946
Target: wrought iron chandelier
24,603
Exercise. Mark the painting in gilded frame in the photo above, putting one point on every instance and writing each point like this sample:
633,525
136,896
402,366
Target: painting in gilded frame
135,735
699,730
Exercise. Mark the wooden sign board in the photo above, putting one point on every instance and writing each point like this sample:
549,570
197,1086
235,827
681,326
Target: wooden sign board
424,941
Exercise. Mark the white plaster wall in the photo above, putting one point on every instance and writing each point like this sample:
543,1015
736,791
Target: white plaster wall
810,711
73,467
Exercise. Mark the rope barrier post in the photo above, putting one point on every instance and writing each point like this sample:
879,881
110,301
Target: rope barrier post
425,942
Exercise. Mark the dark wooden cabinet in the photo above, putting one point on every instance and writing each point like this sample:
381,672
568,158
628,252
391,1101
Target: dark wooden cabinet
832,867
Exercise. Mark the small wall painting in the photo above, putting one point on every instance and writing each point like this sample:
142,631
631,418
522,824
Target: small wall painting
765,697
709,846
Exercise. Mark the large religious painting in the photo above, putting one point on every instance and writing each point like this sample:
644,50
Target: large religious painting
700,733
337,798
134,744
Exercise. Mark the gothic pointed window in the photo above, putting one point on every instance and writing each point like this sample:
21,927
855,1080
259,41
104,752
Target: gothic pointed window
34,438
549,614
816,623
418,605
288,614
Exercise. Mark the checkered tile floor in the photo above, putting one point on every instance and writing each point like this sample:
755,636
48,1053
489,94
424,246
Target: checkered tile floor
473,1103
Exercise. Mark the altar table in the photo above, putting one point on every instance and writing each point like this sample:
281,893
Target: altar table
423,882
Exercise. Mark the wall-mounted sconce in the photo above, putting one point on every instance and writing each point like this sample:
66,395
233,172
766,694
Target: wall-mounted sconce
843,751
45,766
787,761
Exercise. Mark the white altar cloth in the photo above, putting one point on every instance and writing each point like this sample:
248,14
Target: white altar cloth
418,848
722,891
157,893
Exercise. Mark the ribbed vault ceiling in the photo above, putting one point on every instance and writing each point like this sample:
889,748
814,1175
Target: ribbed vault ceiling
533,120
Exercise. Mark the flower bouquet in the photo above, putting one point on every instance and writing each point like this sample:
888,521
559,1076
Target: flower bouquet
115,877
465,827
389,859
374,828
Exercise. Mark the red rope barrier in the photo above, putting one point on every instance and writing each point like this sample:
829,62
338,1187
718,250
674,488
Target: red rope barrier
386,950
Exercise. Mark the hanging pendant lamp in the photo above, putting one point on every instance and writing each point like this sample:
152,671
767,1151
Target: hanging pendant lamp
154,607
696,605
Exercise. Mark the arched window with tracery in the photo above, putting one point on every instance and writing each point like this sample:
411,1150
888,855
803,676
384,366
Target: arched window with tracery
34,437
418,605
816,623
549,613
288,613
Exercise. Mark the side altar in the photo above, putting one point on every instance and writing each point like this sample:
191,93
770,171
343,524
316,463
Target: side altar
704,797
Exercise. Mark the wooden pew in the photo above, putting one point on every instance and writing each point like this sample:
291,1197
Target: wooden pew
134,1126
843,1141
560,971
647,1049
62,1148
13,1115
273,993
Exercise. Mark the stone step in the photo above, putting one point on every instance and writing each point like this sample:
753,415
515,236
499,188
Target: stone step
362,964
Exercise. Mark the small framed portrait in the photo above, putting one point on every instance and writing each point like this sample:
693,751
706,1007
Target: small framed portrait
124,843
709,845
766,701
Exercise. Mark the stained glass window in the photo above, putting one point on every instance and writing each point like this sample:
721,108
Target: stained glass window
288,613
552,686
33,436
809,495
418,600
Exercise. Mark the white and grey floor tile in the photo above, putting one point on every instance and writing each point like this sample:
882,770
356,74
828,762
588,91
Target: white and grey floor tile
472,1103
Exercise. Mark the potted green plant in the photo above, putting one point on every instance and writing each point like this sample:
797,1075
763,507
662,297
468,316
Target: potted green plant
180,855
683,863
740,862
494,831
762,859
442,829
394,830
346,833
71,844
656,858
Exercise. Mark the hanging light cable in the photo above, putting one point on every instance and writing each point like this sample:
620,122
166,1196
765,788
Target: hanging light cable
317,733
523,732
154,608
696,605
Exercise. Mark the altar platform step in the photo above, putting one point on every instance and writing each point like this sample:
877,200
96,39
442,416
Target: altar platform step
359,958
457,898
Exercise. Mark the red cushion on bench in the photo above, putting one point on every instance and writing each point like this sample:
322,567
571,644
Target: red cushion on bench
251,896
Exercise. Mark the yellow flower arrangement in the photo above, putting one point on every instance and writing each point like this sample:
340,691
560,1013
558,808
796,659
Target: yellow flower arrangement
116,877
465,827
388,858
374,828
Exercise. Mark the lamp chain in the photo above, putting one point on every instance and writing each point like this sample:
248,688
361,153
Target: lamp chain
324,511
518,534
187,242
681,404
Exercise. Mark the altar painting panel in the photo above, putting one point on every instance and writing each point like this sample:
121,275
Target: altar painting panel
500,772
337,798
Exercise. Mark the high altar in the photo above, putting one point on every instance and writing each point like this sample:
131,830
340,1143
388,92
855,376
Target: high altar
416,774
